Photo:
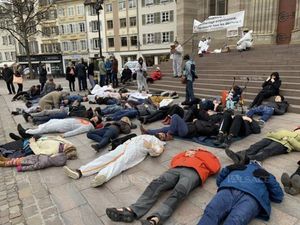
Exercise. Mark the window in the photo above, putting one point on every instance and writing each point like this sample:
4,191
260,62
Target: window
123,41
150,38
0,56
132,21
10,40
62,29
65,46
165,37
95,43
94,26
108,7
111,42
110,24
74,45
133,40
71,28
71,11
81,27
165,16
150,18
92,10
4,40
13,56
56,47
7,55
61,12
83,44
131,3
80,10
123,22
218,7
149,2
122,4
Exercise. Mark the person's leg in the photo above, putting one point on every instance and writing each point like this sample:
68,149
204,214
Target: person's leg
188,181
244,210
274,148
145,84
73,85
226,123
110,134
159,115
8,87
175,74
267,113
40,119
70,86
139,83
80,83
187,93
130,113
85,83
236,126
218,208
256,110
12,87
190,90
145,202
178,64
178,126
256,99
97,135
176,109
42,86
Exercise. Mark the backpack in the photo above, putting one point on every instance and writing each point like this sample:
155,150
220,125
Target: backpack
118,141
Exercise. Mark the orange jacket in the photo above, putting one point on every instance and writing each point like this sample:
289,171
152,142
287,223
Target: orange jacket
204,162
156,75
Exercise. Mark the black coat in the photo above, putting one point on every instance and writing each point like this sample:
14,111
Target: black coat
8,74
43,76
273,87
80,70
69,76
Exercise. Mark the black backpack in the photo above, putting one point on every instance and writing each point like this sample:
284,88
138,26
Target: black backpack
118,141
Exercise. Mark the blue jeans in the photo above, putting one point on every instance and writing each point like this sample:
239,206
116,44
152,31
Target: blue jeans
130,113
111,109
114,79
102,80
265,111
177,127
189,91
43,119
231,206
112,101
103,135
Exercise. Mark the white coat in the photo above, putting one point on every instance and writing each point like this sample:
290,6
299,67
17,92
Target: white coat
177,60
141,80
125,156
246,41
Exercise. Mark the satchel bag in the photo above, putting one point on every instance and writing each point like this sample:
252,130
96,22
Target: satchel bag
18,80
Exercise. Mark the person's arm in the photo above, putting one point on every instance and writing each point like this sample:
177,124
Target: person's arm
222,175
281,109
276,84
79,130
295,142
255,127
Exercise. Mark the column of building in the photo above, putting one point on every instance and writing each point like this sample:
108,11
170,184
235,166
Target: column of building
296,31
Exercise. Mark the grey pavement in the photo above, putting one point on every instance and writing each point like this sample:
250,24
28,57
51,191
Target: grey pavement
48,197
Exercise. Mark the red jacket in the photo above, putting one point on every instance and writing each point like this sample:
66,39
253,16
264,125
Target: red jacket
156,75
204,162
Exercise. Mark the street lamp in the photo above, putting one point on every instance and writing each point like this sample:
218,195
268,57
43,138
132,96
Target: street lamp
98,7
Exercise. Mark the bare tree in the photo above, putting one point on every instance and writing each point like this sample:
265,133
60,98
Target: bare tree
21,18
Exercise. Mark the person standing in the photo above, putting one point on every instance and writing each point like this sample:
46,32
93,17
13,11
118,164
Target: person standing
43,76
102,72
80,71
114,72
70,76
176,51
8,75
108,67
91,74
189,72
141,70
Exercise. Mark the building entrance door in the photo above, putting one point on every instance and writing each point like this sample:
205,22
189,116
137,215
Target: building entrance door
286,20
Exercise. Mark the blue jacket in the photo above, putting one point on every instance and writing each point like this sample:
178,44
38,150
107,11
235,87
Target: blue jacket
108,65
189,70
243,180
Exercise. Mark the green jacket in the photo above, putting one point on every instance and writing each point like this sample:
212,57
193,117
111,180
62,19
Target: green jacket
290,139
102,69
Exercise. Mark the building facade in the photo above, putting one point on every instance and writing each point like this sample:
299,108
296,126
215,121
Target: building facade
7,49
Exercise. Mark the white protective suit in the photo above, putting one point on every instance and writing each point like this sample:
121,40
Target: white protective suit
68,126
100,91
125,156
245,42
203,46
177,61
140,79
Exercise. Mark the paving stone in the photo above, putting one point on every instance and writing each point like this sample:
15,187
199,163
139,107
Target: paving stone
14,212
14,203
18,220
30,211
49,212
53,221
35,220
45,202
81,215
67,197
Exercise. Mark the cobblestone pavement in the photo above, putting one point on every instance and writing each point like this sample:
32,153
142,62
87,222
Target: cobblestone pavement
48,197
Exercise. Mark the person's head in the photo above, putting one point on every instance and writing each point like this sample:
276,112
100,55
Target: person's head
140,60
236,88
70,151
43,66
275,76
203,38
186,57
125,119
157,69
85,99
297,129
126,67
246,30
5,66
66,101
279,98
176,43
51,80
164,136
95,120
82,60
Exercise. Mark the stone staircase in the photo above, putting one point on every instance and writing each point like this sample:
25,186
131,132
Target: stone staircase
216,72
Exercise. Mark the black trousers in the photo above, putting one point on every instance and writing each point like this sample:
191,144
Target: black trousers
234,126
263,94
20,88
10,87
175,109
82,83
264,149
108,77
72,85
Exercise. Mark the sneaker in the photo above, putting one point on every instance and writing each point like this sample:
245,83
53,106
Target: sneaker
71,173
286,180
98,181
22,132
227,142
261,123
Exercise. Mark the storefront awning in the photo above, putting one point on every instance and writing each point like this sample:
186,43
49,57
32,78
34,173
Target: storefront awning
37,62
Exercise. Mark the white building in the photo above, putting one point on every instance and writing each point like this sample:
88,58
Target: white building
7,49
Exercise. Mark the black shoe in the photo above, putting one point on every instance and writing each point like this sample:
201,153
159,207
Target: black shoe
233,156
22,132
219,140
14,136
26,115
15,113
96,147
120,216
227,142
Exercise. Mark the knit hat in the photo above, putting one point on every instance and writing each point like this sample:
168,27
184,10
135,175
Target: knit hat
70,151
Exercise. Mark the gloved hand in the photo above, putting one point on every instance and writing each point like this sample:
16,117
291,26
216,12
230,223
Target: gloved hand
261,174
236,167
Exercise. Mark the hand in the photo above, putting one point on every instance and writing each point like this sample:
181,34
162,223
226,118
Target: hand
236,167
261,174
285,138
268,78
32,140
273,80
246,118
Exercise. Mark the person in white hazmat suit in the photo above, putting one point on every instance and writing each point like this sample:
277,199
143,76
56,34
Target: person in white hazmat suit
246,42
177,51
141,70
203,45
125,156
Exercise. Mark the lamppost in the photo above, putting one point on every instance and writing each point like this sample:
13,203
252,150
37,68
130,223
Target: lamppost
98,7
